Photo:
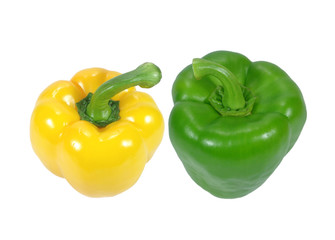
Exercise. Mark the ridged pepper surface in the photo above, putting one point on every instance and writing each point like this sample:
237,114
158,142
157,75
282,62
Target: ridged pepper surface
233,121
99,143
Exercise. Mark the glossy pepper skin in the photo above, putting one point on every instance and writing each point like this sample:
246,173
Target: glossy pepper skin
97,161
233,121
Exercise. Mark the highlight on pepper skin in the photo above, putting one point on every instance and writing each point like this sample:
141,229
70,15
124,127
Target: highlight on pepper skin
96,130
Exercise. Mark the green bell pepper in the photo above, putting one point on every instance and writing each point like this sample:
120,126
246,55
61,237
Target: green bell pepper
233,121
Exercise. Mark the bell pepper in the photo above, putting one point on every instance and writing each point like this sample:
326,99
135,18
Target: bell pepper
233,121
98,142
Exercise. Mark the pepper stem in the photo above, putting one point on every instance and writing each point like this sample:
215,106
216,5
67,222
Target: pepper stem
233,94
229,98
146,75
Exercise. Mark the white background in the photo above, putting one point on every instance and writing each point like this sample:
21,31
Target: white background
42,42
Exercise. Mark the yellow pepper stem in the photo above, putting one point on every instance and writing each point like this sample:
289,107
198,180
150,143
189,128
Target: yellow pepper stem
99,105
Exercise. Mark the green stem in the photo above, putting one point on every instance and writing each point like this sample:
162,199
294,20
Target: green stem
146,76
233,98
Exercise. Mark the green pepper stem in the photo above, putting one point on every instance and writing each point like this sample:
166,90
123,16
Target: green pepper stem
233,94
146,75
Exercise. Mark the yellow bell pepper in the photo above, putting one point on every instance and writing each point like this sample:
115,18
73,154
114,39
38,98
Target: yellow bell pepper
101,143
